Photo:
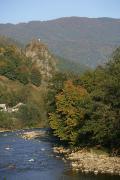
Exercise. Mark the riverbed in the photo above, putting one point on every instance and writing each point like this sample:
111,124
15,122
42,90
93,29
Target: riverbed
33,159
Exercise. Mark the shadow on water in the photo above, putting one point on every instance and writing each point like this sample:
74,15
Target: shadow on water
22,159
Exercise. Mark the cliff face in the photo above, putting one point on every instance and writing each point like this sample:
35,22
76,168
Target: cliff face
41,56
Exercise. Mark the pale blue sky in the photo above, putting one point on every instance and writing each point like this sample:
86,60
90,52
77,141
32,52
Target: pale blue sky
15,11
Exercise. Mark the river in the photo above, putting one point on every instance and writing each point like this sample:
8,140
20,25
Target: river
22,159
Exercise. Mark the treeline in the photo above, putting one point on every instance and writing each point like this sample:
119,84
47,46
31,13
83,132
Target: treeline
85,110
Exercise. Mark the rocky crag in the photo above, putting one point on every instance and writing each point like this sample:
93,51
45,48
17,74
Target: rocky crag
41,56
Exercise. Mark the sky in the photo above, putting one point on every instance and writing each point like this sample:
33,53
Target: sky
16,11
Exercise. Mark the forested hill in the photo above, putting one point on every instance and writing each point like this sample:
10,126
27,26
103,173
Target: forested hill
24,77
85,40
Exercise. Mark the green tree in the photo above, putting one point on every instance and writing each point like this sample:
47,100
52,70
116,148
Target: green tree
104,125
35,77
55,86
30,115
6,120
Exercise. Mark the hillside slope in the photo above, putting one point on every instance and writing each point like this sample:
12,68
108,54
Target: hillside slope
22,72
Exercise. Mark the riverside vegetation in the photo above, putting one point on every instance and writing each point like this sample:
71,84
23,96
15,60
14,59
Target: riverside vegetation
85,113
82,110
86,109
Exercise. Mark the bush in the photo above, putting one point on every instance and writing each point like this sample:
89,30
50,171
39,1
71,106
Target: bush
29,115
6,120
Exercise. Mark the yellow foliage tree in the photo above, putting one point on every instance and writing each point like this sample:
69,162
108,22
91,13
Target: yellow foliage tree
72,108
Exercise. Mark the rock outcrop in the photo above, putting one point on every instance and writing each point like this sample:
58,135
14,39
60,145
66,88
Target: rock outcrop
41,56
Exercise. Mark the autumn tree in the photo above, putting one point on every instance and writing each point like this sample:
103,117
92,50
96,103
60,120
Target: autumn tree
73,106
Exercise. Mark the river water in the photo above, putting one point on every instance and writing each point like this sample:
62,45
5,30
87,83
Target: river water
22,159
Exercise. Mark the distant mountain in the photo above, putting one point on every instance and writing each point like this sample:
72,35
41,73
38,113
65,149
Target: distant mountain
85,40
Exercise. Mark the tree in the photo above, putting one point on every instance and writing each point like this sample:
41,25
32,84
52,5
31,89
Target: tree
55,86
6,120
30,115
35,77
104,125
73,106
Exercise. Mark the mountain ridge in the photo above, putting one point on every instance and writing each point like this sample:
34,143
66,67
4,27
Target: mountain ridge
89,41
60,18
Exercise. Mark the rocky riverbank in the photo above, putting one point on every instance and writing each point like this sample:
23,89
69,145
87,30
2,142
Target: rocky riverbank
88,161
4,130
33,134
27,135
